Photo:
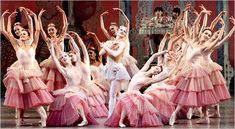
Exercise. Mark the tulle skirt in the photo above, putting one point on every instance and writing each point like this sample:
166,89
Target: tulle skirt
64,111
161,98
24,87
129,63
194,88
96,100
219,82
139,112
51,76
115,71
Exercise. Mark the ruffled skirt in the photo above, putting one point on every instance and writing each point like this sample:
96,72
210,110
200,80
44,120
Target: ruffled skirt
24,87
139,112
51,76
64,111
194,88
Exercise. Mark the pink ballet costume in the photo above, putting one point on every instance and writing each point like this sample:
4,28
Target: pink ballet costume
24,86
51,76
140,112
161,94
216,77
95,99
100,81
130,64
64,112
194,88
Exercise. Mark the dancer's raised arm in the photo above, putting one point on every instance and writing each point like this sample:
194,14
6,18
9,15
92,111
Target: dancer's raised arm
29,21
150,60
10,35
220,43
102,25
43,33
37,28
126,19
54,58
86,59
217,19
3,27
65,23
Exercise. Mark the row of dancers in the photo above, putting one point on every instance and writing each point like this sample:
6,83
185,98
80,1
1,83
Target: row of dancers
185,77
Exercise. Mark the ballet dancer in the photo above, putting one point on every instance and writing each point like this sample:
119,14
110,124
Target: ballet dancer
51,76
25,89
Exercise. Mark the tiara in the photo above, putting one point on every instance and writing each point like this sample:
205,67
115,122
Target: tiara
51,25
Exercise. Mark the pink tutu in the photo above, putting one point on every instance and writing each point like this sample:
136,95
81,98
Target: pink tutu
51,76
129,63
96,100
139,112
194,88
25,89
161,95
64,112
219,82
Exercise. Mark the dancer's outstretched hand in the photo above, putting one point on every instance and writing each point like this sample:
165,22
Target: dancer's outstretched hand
5,12
41,12
59,9
104,13
232,20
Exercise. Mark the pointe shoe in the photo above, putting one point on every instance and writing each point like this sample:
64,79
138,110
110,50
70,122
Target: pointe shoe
204,120
83,123
172,119
190,114
19,122
122,125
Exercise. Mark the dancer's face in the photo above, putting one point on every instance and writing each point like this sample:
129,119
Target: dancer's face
65,59
155,70
92,54
73,56
51,31
17,29
206,35
122,31
24,35
215,35
113,29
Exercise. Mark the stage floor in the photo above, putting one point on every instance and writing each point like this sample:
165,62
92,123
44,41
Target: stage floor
226,120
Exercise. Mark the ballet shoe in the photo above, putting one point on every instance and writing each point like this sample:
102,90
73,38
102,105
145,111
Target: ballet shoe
189,114
83,123
204,120
21,123
122,125
172,119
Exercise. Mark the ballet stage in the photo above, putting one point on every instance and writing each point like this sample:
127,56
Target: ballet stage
225,122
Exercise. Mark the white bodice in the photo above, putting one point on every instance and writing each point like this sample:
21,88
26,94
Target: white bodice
26,56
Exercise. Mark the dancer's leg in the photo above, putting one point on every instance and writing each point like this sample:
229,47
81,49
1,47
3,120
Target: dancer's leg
113,96
82,113
173,116
123,115
205,119
42,113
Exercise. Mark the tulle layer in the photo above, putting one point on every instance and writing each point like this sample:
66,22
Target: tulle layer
194,89
51,76
64,111
115,71
130,64
139,112
161,98
13,98
96,100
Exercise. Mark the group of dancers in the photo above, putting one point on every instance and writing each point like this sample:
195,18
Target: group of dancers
75,89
